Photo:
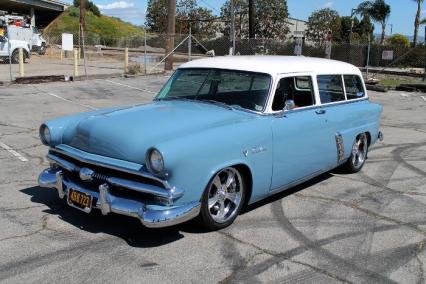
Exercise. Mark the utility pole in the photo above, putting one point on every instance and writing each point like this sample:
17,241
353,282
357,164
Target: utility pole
82,27
233,27
252,15
170,43
82,13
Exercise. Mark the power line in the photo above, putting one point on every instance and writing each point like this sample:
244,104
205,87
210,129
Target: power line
210,6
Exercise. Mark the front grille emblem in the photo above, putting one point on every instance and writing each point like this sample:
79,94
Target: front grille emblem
86,174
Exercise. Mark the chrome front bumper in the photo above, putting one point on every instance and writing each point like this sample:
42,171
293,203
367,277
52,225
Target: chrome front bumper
152,216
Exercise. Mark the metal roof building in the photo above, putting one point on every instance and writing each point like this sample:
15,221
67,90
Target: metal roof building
42,12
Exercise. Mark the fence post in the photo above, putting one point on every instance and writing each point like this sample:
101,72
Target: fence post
21,62
126,60
368,54
424,75
189,43
75,62
144,57
62,54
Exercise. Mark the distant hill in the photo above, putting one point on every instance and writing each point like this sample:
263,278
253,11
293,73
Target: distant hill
411,38
104,28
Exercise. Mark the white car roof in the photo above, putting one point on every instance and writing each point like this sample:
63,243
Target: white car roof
275,65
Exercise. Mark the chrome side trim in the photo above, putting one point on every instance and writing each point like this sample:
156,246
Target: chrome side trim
151,217
169,195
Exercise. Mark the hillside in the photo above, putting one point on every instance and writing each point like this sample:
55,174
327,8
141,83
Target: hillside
105,28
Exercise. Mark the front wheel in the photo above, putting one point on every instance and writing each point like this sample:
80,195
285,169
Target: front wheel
223,199
42,50
358,154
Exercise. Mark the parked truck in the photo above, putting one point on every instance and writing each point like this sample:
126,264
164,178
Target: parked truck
9,48
17,33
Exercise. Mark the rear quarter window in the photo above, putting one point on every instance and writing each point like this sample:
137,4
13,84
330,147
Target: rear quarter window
354,87
330,88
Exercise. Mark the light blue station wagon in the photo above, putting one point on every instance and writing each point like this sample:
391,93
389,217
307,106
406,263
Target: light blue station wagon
222,133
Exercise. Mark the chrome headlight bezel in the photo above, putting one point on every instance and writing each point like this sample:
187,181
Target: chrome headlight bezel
45,135
154,161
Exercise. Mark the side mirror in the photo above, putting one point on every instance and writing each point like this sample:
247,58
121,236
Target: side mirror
3,39
289,105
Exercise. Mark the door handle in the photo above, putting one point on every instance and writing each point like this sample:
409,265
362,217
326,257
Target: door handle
320,111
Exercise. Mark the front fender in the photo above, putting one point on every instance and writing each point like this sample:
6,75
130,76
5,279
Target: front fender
193,160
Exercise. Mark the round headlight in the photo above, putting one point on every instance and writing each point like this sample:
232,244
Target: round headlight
155,161
45,135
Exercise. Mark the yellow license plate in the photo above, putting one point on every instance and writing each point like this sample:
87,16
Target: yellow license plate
80,200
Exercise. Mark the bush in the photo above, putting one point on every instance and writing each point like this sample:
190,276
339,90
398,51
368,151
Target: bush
399,39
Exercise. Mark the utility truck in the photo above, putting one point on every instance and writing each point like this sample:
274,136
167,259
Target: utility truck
15,33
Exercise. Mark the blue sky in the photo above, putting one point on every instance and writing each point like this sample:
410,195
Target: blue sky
402,16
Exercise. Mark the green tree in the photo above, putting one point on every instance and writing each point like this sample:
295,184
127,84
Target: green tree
156,16
417,21
365,29
241,18
321,22
378,11
187,11
399,39
201,19
89,6
270,21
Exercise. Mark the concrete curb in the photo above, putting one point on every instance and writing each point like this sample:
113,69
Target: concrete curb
64,78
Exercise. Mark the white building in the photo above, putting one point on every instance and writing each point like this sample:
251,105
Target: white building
297,28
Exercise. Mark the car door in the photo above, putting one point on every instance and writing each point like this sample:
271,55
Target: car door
301,147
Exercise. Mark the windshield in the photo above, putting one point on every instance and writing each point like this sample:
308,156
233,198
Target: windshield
247,90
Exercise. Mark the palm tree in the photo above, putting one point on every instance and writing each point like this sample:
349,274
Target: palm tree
417,21
378,11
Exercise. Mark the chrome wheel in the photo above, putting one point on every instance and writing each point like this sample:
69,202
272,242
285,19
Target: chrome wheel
225,195
359,151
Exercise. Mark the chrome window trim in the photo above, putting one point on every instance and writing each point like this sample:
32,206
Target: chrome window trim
344,88
313,107
364,89
112,167
269,110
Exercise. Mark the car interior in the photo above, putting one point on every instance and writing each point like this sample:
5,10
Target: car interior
297,89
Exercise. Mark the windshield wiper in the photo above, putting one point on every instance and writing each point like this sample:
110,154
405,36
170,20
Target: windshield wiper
175,99
221,104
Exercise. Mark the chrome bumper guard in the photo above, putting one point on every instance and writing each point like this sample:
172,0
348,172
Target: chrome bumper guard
160,216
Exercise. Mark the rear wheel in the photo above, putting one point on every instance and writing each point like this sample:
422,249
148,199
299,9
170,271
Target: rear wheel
223,199
358,154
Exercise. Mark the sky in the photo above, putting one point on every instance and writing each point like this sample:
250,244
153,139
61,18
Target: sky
402,15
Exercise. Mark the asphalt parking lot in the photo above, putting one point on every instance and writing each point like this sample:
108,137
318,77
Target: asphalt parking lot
367,227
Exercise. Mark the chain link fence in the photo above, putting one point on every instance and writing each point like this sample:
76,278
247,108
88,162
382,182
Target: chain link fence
108,56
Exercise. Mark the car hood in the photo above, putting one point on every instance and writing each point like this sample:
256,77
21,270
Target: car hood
128,133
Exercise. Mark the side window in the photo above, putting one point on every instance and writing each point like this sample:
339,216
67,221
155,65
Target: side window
330,88
299,89
354,87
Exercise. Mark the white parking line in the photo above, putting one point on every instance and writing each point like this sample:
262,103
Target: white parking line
13,152
424,98
131,87
70,101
